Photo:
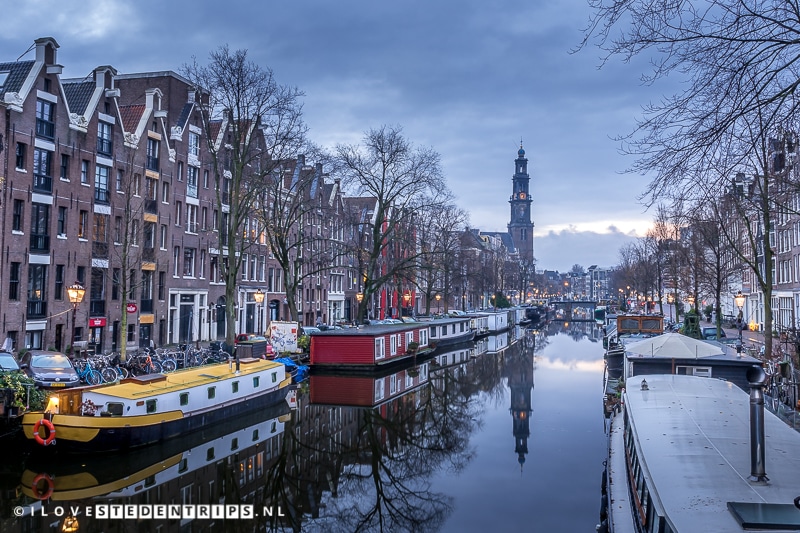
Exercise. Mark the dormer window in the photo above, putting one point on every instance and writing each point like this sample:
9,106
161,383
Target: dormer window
3,77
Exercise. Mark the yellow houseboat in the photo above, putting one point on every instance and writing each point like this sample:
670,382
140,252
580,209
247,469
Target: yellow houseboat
149,409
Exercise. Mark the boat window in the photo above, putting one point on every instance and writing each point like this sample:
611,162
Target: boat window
255,435
114,408
274,427
150,406
235,387
184,398
423,337
212,393
392,345
274,377
183,466
444,331
210,454
235,443
256,382
409,337
433,332
149,481
380,348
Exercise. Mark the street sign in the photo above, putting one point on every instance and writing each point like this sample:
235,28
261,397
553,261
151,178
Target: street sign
131,308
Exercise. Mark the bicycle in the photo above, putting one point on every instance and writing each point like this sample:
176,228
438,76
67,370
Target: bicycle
143,363
87,373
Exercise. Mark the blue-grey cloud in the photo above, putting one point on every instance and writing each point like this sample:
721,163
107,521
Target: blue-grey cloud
467,78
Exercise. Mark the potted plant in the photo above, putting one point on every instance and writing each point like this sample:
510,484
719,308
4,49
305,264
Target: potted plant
412,347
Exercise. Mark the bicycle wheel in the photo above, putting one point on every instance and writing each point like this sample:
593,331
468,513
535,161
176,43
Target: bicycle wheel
154,367
123,372
109,374
94,377
169,365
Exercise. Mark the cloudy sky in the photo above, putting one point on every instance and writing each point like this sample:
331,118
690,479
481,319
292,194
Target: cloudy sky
467,78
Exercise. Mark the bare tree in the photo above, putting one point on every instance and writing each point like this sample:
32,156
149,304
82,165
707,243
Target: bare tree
250,123
388,168
739,61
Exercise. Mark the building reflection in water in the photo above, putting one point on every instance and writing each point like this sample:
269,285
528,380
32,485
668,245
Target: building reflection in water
518,370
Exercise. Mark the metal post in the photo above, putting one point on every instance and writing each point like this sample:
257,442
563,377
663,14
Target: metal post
756,378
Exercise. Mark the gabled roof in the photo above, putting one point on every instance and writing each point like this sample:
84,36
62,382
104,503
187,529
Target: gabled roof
131,115
78,94
184,115
504,237
17,72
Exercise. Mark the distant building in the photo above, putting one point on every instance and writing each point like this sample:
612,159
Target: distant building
519,238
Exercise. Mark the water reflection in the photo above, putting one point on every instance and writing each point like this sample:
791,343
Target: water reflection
403,450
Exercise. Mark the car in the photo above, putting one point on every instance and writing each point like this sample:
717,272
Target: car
310,330
49,370
710,333
8,363
243,337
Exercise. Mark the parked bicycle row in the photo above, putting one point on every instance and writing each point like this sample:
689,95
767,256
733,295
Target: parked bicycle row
108,368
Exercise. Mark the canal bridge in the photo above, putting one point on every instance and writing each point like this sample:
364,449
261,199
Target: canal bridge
574,310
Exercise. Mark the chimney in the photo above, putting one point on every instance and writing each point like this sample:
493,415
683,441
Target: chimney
756,378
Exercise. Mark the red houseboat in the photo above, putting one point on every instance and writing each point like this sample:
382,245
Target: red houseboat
369,347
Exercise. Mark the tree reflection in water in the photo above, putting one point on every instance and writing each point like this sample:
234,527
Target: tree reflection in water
322,468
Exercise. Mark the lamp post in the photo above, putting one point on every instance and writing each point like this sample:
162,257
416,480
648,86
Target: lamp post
690,299
407,301
739,299
670,301
75,293
259,298
438,304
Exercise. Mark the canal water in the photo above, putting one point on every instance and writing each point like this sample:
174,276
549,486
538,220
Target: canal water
505,434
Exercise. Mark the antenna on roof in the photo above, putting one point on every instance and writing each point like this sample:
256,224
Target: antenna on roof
26,51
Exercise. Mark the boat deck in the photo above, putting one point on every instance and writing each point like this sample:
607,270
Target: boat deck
620,514
149,385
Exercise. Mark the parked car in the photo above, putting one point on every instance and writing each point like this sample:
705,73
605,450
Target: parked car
309,330
241,337
8,363
49,370
710,333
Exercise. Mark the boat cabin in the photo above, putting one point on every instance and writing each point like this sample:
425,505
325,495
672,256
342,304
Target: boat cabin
368,347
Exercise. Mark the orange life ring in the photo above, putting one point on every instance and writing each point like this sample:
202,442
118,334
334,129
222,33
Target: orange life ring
35,486
51,432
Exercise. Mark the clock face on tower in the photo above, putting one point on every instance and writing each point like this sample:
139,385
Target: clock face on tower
522,196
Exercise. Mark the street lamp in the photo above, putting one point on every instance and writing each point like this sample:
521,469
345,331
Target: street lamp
670,301
259,298
740,299
690,299
75,293
438,304
407,301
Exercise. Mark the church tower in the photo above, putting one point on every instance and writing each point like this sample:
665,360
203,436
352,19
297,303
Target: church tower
521,227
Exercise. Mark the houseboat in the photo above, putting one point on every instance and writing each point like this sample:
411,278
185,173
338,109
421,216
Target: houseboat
450,331
493,322
369,347
676,353
367,390
688,453
50,477
152,408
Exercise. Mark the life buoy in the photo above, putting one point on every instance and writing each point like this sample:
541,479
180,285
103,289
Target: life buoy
51,432
48,489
